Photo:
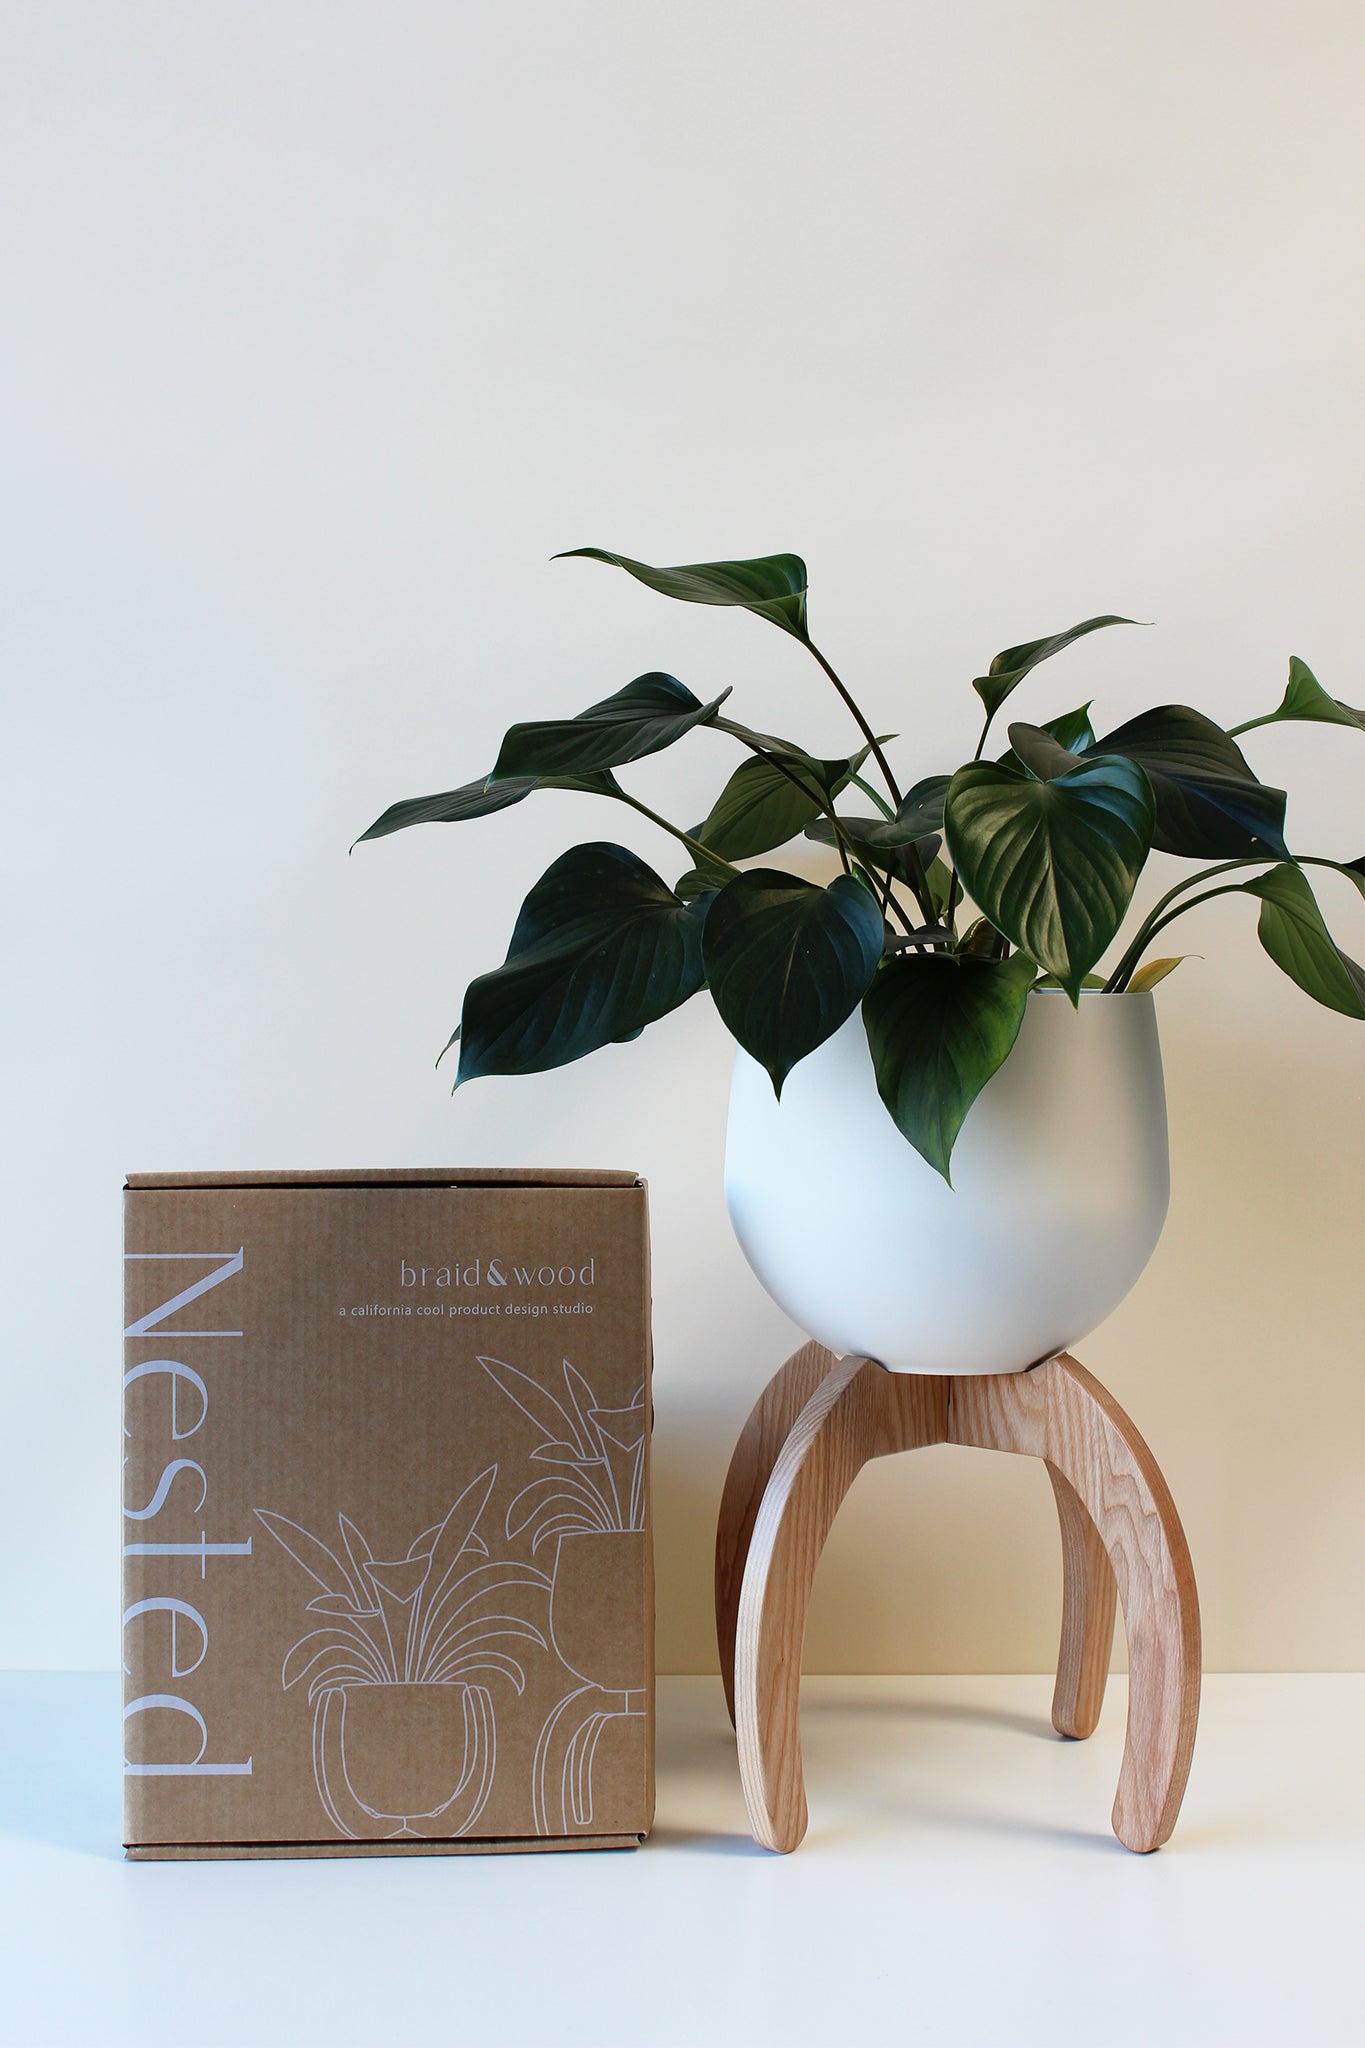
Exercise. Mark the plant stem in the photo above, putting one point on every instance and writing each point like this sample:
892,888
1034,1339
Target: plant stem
1147,928
825,804
1249,724
900,914
1122,975
875,795
866,730
981,743
702,854
1144,932
918,880
950,908
842,844
1155,921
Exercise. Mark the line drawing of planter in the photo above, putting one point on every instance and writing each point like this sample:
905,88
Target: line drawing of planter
592,1508
403,1732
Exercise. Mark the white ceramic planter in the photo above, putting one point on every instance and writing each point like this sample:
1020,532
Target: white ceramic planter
1060,1187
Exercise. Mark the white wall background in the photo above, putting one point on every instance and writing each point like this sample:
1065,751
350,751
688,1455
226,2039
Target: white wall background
325,325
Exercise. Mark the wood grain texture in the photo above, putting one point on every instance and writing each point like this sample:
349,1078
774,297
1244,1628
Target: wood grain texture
858,1412
1060,1412
755,1454
1089,1598
1120,1534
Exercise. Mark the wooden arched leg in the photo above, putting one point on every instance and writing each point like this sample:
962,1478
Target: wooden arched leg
1089,1595
760,1441
859,1411
1060,1413
1120,1530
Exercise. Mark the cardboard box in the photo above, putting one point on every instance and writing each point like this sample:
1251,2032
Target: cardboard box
387,1581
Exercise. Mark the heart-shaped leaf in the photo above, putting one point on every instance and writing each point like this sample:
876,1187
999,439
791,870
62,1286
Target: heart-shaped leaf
1010,667
477,800
1209,804
1052,864
601,948
773,586
648,714
1305,699
1291,929
787,961
1072,730
939,1026
765,804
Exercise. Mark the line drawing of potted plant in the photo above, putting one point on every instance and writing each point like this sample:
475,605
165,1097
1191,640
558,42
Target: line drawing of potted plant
592,1508
402,1731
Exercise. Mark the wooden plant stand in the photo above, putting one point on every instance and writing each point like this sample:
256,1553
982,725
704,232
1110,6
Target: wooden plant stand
816,1424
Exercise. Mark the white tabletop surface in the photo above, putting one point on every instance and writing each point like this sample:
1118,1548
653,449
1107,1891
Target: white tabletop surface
959,1885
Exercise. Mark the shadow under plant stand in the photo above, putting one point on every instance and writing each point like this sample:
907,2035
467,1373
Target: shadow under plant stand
814,1427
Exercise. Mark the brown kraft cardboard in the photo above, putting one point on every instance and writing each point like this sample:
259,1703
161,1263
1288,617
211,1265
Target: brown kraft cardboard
387,1582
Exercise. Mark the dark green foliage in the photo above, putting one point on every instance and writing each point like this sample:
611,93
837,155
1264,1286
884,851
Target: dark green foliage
601,947
939,1026
956,898
787,961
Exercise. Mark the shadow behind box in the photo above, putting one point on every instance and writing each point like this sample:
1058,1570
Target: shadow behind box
387,1576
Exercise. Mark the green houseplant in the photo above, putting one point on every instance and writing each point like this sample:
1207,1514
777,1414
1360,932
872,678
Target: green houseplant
959,892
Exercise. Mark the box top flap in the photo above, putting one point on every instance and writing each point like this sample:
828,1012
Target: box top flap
400,1176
